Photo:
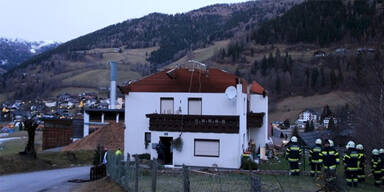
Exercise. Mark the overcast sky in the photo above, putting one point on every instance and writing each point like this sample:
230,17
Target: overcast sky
62,20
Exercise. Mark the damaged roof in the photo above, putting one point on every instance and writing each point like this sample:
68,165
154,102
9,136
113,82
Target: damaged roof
188,80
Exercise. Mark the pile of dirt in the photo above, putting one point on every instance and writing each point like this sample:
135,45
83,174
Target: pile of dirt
110,136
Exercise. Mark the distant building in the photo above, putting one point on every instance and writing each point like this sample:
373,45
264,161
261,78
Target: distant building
96,118
307,115
326,121
319,53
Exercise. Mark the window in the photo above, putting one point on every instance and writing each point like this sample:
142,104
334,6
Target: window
166,105
207,147
147,139
194,106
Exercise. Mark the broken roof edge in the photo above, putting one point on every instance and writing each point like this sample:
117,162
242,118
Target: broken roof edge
254,88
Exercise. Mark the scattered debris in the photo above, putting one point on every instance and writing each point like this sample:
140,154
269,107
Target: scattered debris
110,136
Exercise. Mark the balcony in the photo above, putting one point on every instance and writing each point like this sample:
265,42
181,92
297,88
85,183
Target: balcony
255,120
193,123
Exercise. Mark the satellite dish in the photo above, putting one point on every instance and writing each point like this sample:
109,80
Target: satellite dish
230,92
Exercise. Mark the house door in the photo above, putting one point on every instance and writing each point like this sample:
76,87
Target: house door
165,152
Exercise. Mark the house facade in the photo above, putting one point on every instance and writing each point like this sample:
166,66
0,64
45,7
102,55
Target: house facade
192,106
307,115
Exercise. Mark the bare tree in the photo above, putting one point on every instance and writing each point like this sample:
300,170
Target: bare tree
369,111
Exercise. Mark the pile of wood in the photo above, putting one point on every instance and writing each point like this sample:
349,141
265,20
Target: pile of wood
110,136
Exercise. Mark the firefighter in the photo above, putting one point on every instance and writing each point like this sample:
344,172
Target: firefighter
376,164
315,158
332,145
293,154
351,163
361,170
330,161
382,165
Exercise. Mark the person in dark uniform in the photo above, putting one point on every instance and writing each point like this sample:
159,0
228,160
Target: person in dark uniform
361,171
381,151
351,163
376,166
315,158
293,155
330,161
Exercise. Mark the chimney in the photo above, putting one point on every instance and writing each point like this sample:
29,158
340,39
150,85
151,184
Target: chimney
112,93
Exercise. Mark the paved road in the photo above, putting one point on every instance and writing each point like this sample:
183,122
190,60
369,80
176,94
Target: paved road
47,181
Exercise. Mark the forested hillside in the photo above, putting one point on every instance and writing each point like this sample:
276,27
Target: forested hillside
324,22
316,47
140,46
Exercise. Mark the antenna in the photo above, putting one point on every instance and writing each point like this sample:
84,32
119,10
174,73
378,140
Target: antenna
230,92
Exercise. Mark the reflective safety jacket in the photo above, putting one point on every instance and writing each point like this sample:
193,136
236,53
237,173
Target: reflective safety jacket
376,164
351,160
330,158
293,153
361,157
382,163
315,155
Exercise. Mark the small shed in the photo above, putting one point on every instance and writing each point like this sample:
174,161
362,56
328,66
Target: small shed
61,132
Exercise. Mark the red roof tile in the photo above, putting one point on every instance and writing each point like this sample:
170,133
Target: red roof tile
185,80
256,88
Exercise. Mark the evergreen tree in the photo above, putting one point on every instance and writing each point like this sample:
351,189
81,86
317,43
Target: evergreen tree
325,113
264,66
287,124
255,67
331,124
340,75
277,84
312,126
315,74
333,78
307,74
307,127
323,78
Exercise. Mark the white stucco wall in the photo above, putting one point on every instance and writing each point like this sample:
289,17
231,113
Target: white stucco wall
229,156
138,104
259,104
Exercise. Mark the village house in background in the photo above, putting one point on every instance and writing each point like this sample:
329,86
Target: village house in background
194,117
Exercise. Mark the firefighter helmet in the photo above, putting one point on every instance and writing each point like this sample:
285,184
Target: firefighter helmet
359,147
294,139
318,142
375,152
350,144
331,143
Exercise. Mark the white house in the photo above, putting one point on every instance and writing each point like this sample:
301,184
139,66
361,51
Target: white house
326,121
307,115
215,127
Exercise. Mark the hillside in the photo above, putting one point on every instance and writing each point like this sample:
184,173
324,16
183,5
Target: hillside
14,52
325,22
140,46
291,55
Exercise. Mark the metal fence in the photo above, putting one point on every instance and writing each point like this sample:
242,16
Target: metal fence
145,175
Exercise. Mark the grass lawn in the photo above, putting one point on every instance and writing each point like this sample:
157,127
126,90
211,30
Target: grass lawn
14,163
17,145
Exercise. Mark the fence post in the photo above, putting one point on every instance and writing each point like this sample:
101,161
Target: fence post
255,183
136,174
154,175
186,179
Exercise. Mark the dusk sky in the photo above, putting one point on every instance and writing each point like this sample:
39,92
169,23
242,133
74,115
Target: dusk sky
63,20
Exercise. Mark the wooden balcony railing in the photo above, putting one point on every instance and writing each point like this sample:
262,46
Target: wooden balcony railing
193,123
255,120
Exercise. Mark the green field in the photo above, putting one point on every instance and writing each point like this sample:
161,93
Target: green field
12,162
